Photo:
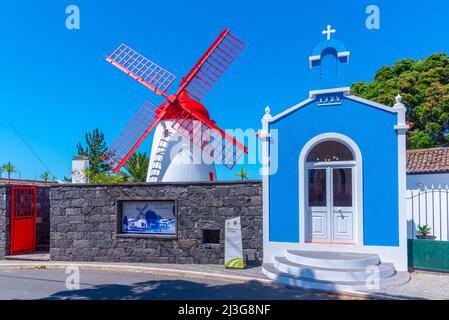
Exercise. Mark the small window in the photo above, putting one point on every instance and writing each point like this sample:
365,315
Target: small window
330,151
211,236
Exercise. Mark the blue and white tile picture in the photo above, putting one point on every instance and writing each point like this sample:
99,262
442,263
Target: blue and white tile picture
149,217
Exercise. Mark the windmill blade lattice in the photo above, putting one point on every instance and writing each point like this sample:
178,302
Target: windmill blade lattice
210,139
180,107
141,69
148,116
212,65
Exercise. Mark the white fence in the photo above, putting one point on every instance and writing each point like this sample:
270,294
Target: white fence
429,206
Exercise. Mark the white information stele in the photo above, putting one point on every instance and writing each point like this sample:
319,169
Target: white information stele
233,244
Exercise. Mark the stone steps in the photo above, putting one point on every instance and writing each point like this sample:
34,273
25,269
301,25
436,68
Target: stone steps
383,270
398,279
340,260
334,271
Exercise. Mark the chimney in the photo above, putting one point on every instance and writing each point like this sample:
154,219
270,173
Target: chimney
79,164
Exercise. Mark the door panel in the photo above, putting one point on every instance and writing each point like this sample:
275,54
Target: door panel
342,205
319,223
330,216
343,226
23,220
319,226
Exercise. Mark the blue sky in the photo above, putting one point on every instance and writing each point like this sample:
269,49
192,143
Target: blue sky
55,83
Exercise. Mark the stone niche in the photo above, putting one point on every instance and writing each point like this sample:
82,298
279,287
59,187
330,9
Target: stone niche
84,222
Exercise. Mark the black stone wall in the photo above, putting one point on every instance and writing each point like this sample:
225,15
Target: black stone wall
84,222
43,219
4,221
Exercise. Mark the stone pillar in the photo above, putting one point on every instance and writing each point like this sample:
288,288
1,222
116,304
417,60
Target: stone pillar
401,129
264,135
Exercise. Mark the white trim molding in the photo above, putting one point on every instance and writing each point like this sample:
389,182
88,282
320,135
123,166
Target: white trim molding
358,170
345,90
401,129
265,172
290,110
371,103
344,54
312,59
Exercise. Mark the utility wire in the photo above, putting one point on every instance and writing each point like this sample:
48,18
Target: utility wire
26,143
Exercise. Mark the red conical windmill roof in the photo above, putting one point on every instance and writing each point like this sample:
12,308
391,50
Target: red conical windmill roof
186,103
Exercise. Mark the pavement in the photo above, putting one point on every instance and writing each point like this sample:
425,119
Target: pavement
233,283
53,282
422,286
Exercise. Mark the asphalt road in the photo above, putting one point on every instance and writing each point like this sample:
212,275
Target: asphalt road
96,285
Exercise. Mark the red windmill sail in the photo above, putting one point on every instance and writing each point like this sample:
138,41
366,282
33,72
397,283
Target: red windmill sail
210,138
141,69
212,65
180,107
145,120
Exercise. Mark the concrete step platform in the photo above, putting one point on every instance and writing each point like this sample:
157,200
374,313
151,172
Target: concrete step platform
34,256
339,260
335,271
382,270
397,279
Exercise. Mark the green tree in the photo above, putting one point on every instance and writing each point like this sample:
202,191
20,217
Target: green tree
94,148
9,168
243,174
424,86
68,177
103,177
46,176
137,166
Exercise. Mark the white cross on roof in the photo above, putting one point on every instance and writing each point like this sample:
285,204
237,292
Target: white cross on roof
328,32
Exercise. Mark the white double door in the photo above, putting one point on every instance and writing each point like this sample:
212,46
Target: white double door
330,204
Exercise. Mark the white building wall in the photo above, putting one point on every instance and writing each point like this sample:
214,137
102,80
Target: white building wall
428,206
417,181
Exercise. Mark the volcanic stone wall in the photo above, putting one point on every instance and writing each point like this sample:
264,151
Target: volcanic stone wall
4,221
43,219
84,222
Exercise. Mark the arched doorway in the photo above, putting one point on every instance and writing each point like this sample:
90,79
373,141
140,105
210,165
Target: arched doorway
331,173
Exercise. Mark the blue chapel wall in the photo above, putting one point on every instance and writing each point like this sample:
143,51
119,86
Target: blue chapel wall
336,44
329,69
372,129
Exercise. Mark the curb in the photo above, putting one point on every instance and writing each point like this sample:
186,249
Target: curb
133,269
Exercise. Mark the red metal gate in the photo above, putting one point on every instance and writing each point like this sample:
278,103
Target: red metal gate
23,220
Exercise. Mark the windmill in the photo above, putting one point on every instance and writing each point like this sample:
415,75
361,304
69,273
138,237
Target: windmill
181,115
